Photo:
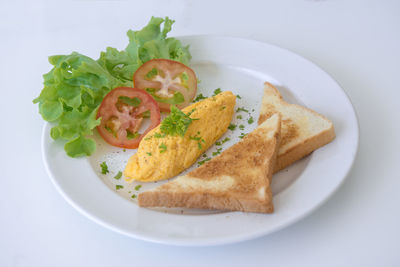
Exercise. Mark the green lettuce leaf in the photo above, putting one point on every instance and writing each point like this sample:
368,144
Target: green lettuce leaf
76,85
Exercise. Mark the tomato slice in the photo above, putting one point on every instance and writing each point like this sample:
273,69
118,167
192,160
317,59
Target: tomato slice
169,82
122,112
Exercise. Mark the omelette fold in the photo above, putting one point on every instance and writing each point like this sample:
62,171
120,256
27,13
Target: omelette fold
161,156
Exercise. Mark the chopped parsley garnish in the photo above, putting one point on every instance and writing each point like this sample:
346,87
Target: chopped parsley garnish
184,76
199,140
201,162
118,175
108,129
250,120
118,186
241,109
148,153
239,117
199,97
133,196
134,101
104,168
217,91
152,73
158,135
146,114
226,139
224,107
162,148
241,127
217,152
218,143
242,135
177,122
137,188
130,135
204,155
232,127
124,150
238,96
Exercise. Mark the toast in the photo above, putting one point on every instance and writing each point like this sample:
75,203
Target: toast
302,129
238,179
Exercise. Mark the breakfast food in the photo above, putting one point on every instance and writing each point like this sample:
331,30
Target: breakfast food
238,179
302,130
164,153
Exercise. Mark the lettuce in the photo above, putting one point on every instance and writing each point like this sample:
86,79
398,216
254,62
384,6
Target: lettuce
76,85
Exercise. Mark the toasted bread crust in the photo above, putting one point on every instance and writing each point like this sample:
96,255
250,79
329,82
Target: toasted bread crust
300,149
305,148
202,201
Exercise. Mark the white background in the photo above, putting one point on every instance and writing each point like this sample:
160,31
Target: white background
357,42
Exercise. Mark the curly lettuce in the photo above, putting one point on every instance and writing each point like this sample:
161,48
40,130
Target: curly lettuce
76,85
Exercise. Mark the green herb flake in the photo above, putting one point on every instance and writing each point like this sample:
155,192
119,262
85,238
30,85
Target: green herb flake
148,153
218,143
134,101
118,175
118,187
146,114
250,120
201,162
224,107
239,117
158,135
185,76
124,150
199,97
241,127
152,73
133,196
232,127
226,139
238,96
242,135
242,109
130,135
176,123
217,152
162,148
108,129
199,140
217,91
104,168
137,188
204,155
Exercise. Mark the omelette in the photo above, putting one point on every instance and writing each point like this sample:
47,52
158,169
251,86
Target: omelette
160,156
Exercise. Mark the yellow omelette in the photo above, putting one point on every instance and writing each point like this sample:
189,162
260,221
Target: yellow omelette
159,158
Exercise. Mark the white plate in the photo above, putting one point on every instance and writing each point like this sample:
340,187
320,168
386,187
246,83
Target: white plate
241,66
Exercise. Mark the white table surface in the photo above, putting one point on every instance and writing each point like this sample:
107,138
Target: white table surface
357,42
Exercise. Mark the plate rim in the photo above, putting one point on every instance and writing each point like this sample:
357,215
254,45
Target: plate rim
226,240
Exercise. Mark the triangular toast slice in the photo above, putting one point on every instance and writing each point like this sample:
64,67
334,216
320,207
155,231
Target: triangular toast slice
302,129
238,179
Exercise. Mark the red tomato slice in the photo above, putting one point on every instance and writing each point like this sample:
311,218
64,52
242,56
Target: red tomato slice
168,81
122,111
